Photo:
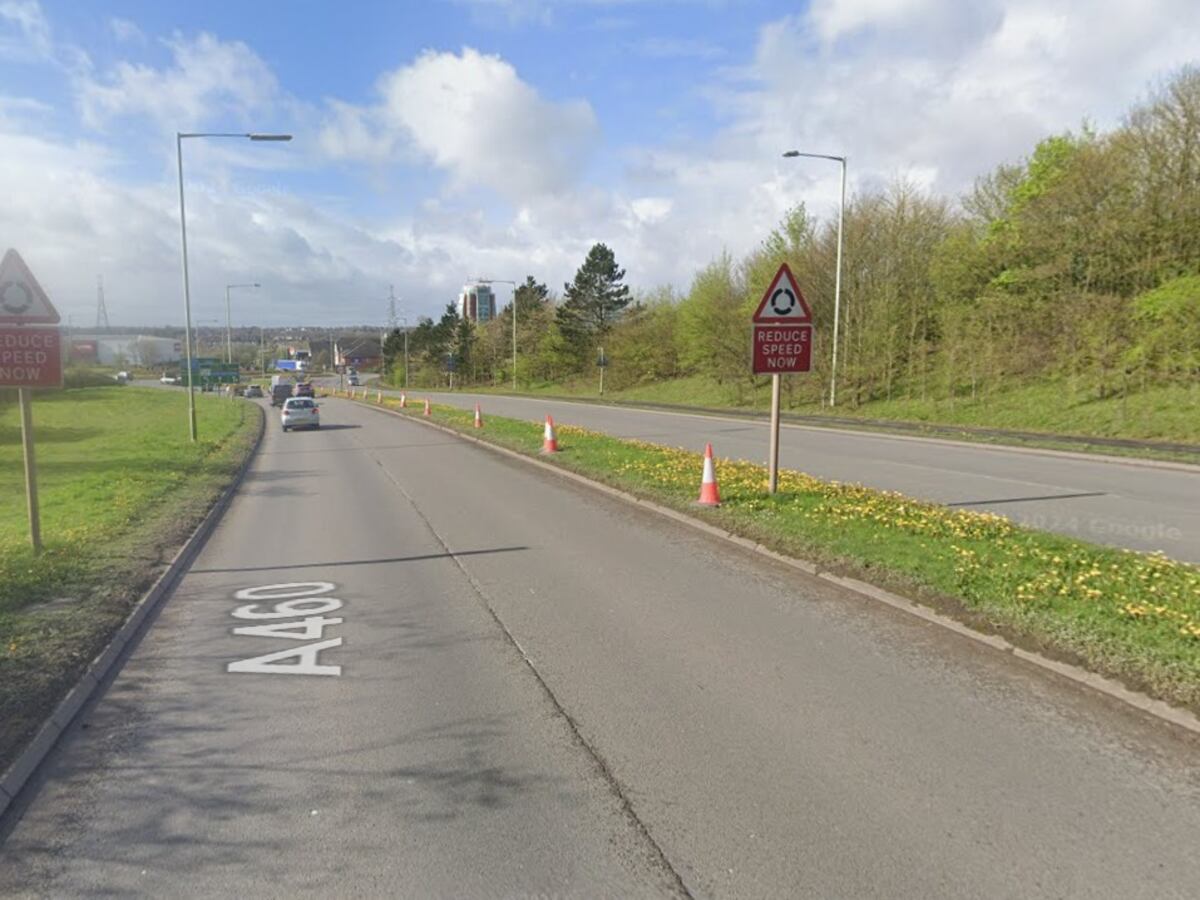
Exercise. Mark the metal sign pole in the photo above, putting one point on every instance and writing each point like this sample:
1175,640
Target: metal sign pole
773,461
31,497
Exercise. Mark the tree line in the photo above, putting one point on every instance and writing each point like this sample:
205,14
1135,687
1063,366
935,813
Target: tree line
1080,262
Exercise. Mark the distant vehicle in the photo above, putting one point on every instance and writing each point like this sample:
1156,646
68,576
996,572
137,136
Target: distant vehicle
281,379
121,378
353,379
305,389
300,412
253,391
169,379
280,393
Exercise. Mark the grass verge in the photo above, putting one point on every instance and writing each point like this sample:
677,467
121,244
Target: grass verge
1127,615
121,488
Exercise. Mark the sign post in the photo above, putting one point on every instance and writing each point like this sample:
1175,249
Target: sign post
30,357
781,343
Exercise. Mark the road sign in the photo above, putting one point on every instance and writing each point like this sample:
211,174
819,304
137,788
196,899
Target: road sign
22,300
782,344
781,349
30,357
783,303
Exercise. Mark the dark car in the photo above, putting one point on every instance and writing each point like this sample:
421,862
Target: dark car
304,389
252,390
280,393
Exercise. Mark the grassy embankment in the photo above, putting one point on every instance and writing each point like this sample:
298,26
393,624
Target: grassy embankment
1128,615
1170,413
121,487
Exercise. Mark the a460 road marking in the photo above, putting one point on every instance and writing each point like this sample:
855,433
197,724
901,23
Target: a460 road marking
294,611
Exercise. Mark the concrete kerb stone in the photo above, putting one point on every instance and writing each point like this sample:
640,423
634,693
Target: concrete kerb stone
1077,674
34,754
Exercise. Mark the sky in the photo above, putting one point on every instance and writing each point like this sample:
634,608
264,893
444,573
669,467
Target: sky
444,140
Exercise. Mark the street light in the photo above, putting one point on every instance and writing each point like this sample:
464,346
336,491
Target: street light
837,284
229,320
514,310
187,290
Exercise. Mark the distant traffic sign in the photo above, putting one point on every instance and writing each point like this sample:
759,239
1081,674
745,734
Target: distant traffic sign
783,303
22,300
30,357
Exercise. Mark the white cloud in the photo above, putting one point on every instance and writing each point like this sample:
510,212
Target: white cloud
207,76
472,116
27,36
126,31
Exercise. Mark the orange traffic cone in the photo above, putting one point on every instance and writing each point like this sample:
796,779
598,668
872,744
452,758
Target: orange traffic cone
478,417
403,400
709,495
427,412
549,441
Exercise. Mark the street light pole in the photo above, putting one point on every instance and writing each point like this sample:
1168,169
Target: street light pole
837,282
187,290
229,319
187,293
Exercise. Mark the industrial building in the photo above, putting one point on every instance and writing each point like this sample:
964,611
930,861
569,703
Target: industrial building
477,302
124,349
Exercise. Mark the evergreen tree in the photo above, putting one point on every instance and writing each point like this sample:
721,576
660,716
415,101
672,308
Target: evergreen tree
595,299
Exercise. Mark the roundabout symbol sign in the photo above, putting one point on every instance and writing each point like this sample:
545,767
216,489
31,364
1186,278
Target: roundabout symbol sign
8,297
783,302
778,306
22,300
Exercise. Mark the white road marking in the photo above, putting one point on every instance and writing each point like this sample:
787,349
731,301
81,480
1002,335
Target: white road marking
302,605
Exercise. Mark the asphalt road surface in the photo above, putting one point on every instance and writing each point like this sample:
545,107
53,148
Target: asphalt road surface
505,684
1123,505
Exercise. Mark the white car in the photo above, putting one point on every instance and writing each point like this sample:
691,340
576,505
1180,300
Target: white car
300,412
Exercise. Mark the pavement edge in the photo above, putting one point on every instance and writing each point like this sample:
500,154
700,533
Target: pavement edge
24,766
1081,676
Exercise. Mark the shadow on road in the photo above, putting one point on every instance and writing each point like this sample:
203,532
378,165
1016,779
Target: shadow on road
360,562
1028,499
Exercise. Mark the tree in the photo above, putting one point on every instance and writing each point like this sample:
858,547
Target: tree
594,299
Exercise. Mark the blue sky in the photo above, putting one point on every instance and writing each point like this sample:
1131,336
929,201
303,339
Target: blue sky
435,141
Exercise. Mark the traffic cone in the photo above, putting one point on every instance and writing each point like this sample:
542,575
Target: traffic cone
709,495
478,417
549,441
427,412
403,400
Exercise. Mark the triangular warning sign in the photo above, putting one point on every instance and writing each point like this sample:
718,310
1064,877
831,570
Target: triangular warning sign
783,302
22,300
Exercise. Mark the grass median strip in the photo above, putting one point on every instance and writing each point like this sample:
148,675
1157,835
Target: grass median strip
121,488
1123,614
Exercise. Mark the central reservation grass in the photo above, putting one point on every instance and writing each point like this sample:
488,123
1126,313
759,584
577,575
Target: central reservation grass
120,486
1132,616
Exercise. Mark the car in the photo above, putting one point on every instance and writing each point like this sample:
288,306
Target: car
253,391
304,389
300,412
353,380
280,393
169,379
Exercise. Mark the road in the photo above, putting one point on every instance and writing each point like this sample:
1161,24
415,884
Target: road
1106,502
544,691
